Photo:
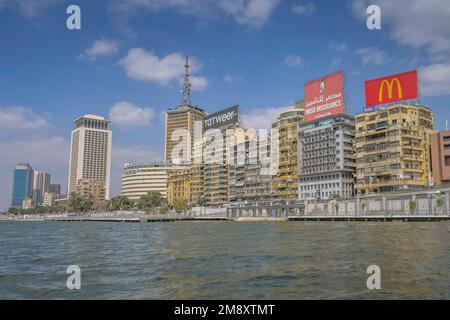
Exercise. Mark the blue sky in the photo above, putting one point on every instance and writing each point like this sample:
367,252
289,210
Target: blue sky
126,64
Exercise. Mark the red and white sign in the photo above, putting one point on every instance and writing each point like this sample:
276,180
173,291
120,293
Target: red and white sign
397,87
324,97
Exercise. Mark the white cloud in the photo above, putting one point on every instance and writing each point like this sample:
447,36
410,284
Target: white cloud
373,56
261,118
27,8
19,118
304,9
146,66
100,48
415,23
127,115
252,13
43,152
435,79
228,78
293,60
337,46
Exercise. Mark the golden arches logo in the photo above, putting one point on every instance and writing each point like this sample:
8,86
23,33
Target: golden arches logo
390,87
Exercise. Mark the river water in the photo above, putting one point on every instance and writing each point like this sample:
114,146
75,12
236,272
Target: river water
224,260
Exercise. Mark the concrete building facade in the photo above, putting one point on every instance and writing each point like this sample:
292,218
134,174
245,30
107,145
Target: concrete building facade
327,160
440,157
138,180
393,148
90,152
250,178
183,117
285,183
41,185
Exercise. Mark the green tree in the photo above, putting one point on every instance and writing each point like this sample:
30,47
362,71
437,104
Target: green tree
120,203
180,205
13,210
164,209
150,201
412,206
80,203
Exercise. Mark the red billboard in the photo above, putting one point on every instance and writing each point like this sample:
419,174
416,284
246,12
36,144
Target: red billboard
324,97
392,88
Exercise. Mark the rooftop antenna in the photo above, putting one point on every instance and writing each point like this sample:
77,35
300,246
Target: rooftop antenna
186,92
446,124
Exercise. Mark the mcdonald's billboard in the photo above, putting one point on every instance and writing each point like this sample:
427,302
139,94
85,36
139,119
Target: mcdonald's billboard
324,97
397,87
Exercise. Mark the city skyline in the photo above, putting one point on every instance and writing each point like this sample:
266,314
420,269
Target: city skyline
104,70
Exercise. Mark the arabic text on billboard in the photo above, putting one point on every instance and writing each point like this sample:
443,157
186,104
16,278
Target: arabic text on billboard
222,118
397,87
324,97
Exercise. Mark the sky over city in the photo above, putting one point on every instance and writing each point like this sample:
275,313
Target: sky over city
126,63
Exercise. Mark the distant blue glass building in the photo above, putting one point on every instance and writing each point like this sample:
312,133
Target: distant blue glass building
22,184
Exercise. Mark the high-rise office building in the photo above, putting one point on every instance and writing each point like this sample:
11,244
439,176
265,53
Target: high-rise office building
90,152
55,189
183,119
393,148
41,185
285,182
327,159
22,184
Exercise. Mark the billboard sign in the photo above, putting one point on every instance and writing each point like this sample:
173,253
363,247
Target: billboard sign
222,118
394,88
324,97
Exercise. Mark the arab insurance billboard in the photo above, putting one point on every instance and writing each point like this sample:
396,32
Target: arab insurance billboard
324,97
222,118
393,88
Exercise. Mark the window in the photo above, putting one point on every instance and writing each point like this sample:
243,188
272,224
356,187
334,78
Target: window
447,161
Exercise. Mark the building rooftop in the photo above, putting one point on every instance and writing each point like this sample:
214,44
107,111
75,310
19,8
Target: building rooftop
92,117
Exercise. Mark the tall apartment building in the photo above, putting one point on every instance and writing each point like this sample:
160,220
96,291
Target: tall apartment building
221,130
440,157
41,185
22,184
285,182
250,178
393,148
90,152
327,160
138,180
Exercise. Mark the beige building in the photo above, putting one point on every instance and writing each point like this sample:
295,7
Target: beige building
182,118
250,178
90,152
393,148
41,185
179,185
138,180
91,188
440,157
219,139
286,182
49,199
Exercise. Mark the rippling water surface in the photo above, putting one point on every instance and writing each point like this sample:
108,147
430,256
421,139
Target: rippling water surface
224,260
